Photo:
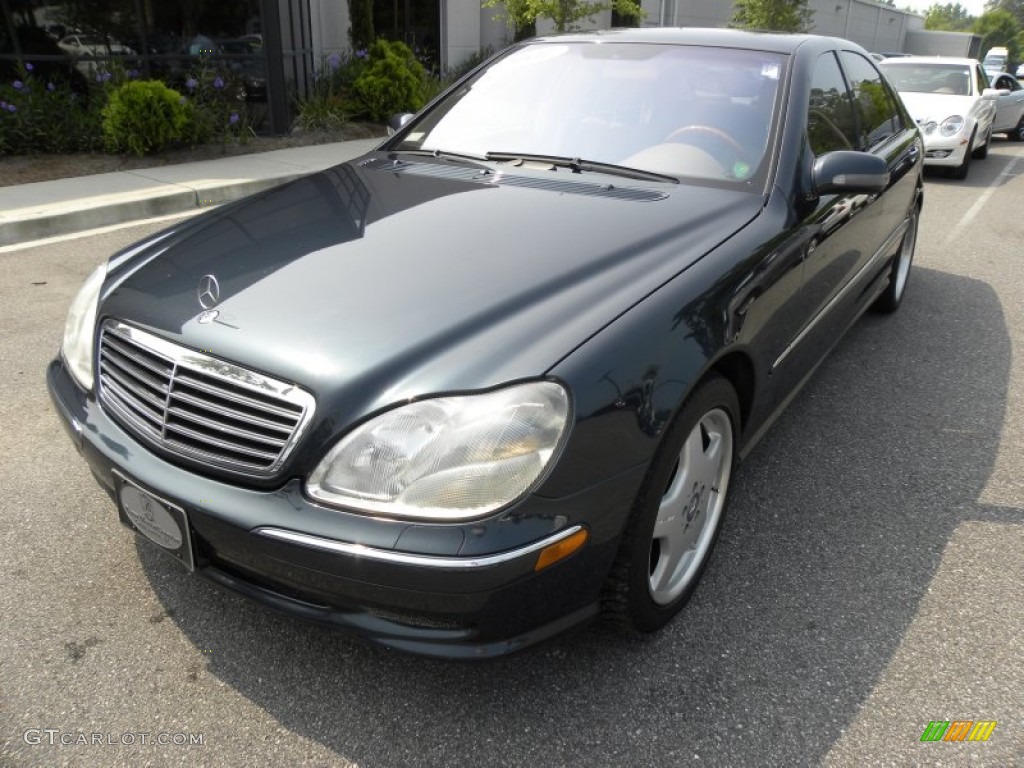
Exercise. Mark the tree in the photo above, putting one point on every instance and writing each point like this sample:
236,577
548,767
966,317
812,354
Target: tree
948,17
998,28
1016,7
361,33
774,15
566,14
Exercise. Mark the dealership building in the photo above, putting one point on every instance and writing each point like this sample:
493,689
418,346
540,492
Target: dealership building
276,46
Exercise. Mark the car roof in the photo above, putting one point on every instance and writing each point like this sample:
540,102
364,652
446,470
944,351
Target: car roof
931,60
774,42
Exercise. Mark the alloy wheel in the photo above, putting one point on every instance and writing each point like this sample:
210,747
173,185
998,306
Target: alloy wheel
691,507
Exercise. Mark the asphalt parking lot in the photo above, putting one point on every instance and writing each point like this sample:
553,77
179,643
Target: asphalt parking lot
869,578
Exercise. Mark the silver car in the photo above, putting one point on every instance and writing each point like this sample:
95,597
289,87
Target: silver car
1009,117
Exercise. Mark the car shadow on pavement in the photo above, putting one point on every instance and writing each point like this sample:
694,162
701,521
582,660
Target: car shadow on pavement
836,527
984,173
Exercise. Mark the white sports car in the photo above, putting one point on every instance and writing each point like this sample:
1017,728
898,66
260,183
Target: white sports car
951,100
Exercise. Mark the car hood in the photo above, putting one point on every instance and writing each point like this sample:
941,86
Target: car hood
926,107
377,281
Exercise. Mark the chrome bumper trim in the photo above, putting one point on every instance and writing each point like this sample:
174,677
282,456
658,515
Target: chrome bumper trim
406,558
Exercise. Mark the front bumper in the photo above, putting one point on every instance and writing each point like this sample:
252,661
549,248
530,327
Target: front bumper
460,591
946,152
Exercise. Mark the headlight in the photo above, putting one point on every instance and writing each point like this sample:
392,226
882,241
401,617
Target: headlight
446,458
80,327
951,126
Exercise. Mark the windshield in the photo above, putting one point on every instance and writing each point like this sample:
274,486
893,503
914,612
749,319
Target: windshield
670,109
952,79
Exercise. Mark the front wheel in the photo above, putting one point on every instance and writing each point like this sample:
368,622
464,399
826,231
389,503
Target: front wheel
678,512
1017,134
960,172
982,152
892,297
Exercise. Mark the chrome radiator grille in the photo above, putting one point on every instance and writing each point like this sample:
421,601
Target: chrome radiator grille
197,406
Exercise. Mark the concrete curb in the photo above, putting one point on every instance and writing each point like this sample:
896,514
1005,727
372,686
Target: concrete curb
103,211
47,209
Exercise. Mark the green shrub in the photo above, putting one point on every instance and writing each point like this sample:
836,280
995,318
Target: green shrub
393,81
145,116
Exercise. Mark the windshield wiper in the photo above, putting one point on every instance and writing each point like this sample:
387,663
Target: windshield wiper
439,153
576,165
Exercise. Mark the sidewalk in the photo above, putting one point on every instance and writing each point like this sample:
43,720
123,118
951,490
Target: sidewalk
48,208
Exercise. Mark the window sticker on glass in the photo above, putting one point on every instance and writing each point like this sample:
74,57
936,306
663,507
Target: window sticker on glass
770,70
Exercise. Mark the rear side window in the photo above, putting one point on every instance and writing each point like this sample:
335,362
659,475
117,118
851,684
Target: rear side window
830,120
876,108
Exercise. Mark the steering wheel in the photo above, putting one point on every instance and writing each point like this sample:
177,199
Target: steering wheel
735,146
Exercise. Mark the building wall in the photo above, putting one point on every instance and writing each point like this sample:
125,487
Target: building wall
466,28
330,27
874,26
494,32
461,31
701,13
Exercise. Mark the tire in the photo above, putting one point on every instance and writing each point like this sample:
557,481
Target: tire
982,152
1017,134
678,512
960,172
890,299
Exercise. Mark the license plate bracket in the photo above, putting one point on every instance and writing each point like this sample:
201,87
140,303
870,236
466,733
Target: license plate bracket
155,519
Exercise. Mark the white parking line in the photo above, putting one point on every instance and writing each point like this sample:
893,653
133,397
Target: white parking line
99,231
983,198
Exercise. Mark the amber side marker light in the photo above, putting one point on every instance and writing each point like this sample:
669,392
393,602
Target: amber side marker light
560,550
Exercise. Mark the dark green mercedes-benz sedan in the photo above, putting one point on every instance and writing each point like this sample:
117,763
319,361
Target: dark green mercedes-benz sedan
492,379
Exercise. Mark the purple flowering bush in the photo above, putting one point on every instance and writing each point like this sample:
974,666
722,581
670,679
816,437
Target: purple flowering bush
329,102
40,114
218,109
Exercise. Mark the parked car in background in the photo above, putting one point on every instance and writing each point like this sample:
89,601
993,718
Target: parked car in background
951,100
243,57
1009,117
87,47
996,61
1020,71
492,379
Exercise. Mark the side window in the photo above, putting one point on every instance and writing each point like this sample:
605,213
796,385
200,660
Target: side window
830,121
1006,83
876,108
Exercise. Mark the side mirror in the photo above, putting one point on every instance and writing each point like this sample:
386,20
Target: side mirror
398,122
850,172
992,93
